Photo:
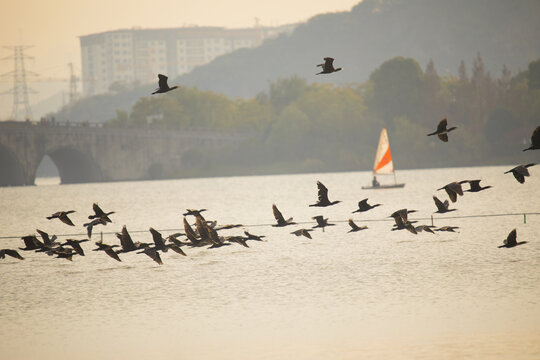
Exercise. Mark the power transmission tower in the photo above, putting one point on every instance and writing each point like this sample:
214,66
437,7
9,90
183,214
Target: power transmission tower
72,84
20,90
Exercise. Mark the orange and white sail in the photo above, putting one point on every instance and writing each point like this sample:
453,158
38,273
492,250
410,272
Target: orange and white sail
383,158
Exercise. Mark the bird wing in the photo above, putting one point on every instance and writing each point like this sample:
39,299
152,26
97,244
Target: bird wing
125,239
306,233
13,253
512,238
320,220
443,137
442,125
475,184
44,236
64,218
97,210
328,63
190,234
401,213
535,138
277,214
162,81
363,204
156,236
177,249
202,227
519,176
353,225
110,251
439,204
456,187
322,193
522,170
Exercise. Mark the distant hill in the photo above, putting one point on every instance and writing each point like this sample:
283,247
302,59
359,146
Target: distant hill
503,32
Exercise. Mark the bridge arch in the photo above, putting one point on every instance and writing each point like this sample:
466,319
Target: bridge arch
74,166
11,170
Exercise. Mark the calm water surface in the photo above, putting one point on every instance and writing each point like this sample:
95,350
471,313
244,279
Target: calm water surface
374,294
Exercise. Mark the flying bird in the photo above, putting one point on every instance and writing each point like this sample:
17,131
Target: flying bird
89,226
535,140
454,189
62,253
303,232
153,254
126,242
159,241
328,66
31,242
425,228
163,86
447,228
402,222
250,236
321,222
191,235
355,227
10,252
216,240
100,214
193,212
108,249
63,216
76,245
475,186
442,207
322,193
511,240
520,172
280,219
364,206
47,241
442,131
237,239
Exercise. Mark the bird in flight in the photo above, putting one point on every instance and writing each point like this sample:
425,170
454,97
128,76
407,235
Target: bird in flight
364,206
323,196
535,140
63,216
442,207
303,232
454,189
355,227
10,252
163,86
328,66
442,131
475,186
511,240
280,219
520,172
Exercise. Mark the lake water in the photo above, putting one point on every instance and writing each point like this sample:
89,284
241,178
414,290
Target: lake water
374,294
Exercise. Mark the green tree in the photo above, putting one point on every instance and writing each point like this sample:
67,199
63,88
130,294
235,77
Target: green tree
397,85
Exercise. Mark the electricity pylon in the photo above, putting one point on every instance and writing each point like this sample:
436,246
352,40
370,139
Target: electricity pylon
20,89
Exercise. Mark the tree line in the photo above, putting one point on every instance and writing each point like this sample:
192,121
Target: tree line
296,126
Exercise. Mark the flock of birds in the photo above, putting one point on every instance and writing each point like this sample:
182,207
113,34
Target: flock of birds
205,233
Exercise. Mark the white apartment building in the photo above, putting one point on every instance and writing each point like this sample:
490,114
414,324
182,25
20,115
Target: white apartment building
136,55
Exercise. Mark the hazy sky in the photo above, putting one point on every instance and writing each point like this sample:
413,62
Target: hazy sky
53,26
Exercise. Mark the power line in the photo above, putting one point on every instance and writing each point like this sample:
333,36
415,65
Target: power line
309,222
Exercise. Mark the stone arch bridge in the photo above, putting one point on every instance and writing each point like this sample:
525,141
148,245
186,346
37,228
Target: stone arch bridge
84,153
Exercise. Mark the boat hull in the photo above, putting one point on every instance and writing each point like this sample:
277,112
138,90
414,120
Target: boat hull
391,186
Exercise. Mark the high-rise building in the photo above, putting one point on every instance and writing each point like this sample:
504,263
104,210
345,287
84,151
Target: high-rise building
129,56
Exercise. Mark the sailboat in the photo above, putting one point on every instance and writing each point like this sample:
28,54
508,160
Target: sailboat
383,164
